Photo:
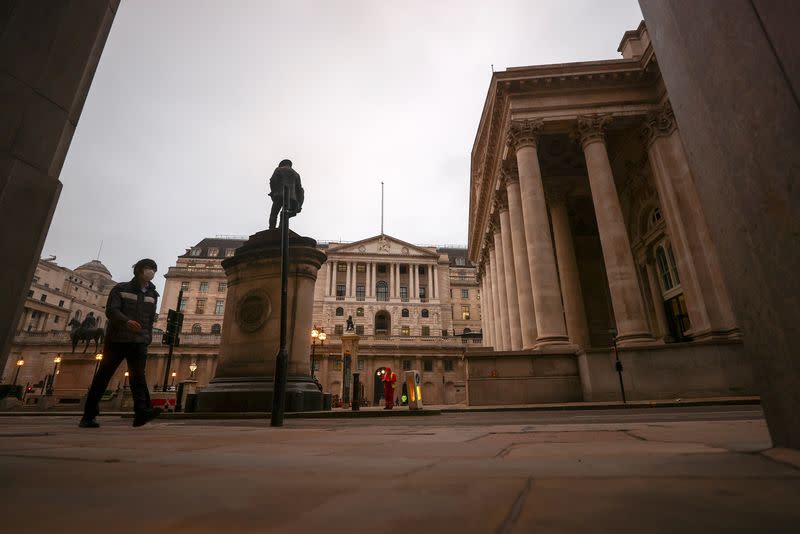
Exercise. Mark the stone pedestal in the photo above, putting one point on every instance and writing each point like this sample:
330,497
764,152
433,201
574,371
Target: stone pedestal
244,378
349,350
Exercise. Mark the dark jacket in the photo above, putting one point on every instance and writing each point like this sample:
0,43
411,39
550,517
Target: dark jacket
128,302
289,177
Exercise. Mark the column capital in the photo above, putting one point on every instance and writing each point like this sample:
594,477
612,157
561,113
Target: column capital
494,223
592,128
509,173
501,200
524,132
658,123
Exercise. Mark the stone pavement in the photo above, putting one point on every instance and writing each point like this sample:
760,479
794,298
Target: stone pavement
492,472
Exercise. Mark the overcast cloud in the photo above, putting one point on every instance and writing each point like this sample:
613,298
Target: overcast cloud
195,102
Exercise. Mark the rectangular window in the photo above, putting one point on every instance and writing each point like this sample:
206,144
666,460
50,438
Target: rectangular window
406,365
382,268
30,292
43,298
423,293
427,365
213,252
184,303
56,318
361,268
422,269
426,331
445,333
223,287
465,312
448,365
405,331
219,307
201,306
460,261
184,286
341,267
465,293
338,329
360,364
404,293
60,303
229,252
196,251
317,365
360,293
403,269
203,287
360,329
337,365
340,291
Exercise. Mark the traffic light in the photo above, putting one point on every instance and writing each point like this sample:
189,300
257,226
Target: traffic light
174,325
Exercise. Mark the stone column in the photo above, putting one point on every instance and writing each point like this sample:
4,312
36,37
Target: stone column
332,279
515,329
435,290
626,298
550,326
50,52
347,286
497,335
527,313
574,310
655,295
485,309
707,302
328,279
391,281
502,287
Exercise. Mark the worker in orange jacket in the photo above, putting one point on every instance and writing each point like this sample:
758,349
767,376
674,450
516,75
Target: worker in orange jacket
389,380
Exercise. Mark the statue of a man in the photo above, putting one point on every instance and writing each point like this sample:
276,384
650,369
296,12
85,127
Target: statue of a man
284,175
90,322
350,325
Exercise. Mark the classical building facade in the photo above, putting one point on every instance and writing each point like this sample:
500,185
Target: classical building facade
587,232
56,296
398,294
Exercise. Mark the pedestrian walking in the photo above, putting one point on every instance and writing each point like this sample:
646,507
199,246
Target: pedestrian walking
131,311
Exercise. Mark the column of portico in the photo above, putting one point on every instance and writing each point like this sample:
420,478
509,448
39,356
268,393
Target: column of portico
502,288
347,280
550,326
512,295
527,311
707,301
497,331
391,281
655,295
572,295
435,282
332,278
485,309
629,311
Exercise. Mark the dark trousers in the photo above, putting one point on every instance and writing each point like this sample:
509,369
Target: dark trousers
277,204
136,356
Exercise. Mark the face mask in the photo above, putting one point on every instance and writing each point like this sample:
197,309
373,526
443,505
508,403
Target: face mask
148,274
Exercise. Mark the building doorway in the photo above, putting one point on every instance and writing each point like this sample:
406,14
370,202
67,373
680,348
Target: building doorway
383,323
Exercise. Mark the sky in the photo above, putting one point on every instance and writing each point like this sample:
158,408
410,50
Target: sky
195,102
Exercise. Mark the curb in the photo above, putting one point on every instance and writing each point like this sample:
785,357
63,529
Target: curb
607,406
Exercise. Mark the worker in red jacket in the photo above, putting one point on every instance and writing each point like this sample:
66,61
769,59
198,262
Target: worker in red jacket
389,379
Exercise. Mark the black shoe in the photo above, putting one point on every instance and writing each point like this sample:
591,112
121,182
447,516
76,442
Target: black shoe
89,423
146,417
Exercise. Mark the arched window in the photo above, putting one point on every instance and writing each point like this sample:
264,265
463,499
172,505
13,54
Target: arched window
359,312
196,329
673,265
78,314
655,217
339,312
382,291
467,331
425,313
216,329
663,269
404,313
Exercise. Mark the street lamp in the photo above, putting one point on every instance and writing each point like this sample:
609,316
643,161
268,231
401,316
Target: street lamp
20,363
125,384
99,358
51,386
174,374
617,363
192,369
316,333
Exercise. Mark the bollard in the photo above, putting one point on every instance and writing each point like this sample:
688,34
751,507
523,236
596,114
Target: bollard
356,393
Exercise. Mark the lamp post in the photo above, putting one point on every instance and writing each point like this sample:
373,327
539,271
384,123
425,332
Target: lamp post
51,386
20,363
125,383
174,374
316,333
618,364
192,369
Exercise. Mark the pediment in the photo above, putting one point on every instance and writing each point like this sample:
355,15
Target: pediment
382,245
